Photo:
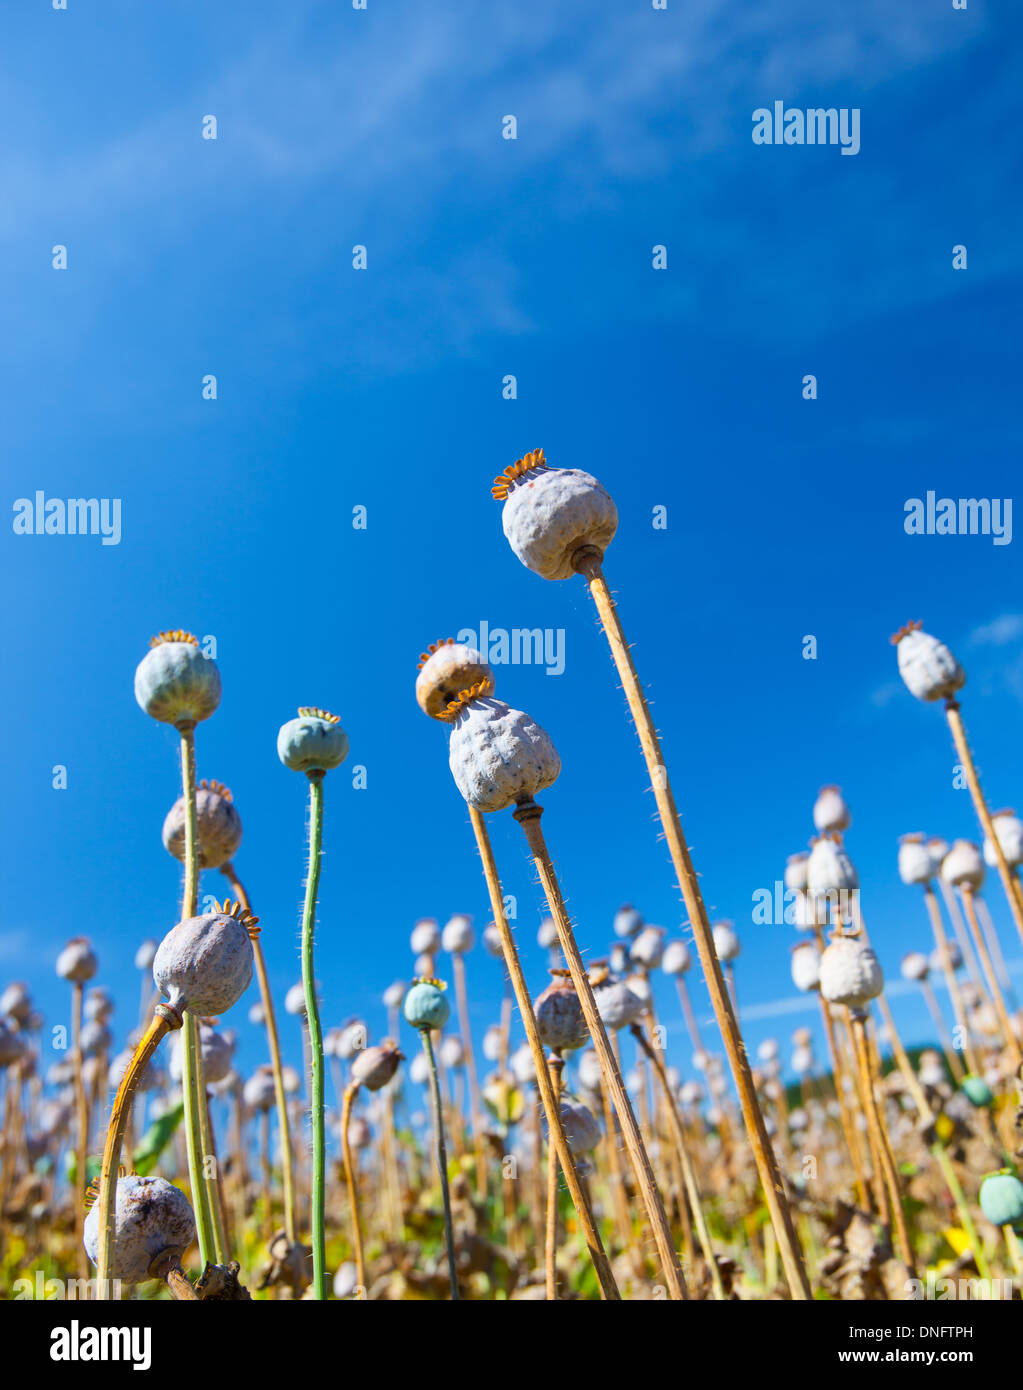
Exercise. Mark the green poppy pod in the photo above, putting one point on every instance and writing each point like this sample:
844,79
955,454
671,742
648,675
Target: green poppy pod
313,743
1001,1198
426,1006
175,683
977,1091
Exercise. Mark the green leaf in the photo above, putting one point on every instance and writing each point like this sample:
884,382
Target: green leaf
155,1140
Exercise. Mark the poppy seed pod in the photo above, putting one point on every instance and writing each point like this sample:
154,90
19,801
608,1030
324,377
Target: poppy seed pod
963,865
590,1074
419,1069
16,1002
850,972
795,872
457,936
445,670
927,667
96,1038
581,1128
98,1005
77,962
425,938
830,813
806,967
374,1067
977,1091
948,958
1009,830
802,1061
808,912
426,1005
452,1053
618,958
627,921
690,1093
259,1092
146,954
915,966
151,1217
205,963
257,1014
313,743
175,683
522,1068
499,756
219,826
394,994
618,1005
676,959
768,1050
492,940
294,1001
351,1039
647,948
547,933
916,863
1001,1198
12,1045
346,1280
559,1015
217,1050
551,513
829,870
802,1037
726,942
931,1070
493,1042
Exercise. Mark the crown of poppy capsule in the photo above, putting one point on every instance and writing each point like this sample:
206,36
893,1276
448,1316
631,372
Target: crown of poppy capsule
92,1191
313,712
466,697
231,909
504,482
210,784
904,631
178,635
432,650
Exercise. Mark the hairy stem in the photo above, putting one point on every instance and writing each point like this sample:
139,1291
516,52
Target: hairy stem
312,1009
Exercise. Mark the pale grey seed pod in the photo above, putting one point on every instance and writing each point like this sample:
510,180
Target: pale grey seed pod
963,865
521,1063
146,954
294,1000
618,958
205,963
795,872
628,920
12,1046
216,1050
500,756
647,947
768,1050
927,667
457,936
219,826
850,972
830,813
618,1005
425,938
559,1016
394,994
806,966
493,1041
951,958
445,670
151,1217
492,940
98,1006
830,873
550,514
677,958
1009,831
547,934
581,1127
16,1003
915,966
802,1061
77,962
590,1075
257,1014
346,1280
96,1039
374,1067
175,683
726,941
352,1039
452,1053
916,863
690,1093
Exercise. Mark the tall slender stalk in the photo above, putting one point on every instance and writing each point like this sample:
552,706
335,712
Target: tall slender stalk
528,815
858,1026
551,1107
351,1091
273,1042
588,563
441,1156
954,994
555,1066
312,1010
192,1082
462,1004
989,972
82,1121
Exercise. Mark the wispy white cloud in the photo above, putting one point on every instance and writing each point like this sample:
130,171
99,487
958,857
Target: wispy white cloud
998,633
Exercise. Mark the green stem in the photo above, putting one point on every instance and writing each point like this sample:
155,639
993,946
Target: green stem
192,1094
966,1220
312,1011
442,1160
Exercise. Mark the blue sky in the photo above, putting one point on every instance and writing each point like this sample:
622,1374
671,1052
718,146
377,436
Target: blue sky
381,389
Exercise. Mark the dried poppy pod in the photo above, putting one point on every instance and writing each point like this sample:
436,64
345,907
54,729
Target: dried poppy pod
175,683
769,1050
218,826
152,1218
809,913
946,957
963,866
313,743
492,940
830,873
522,1067
802,1061
217,1051
795,872
726,942
931,1069
457,936
260,1092
499,756
77,962
806,966
98,1007
294,1000
394,994
830,813
452,1053
928,668
547,934
204,964
16,1002
582,1130
351,1039
445,670
146,954
647,948
550,514
96,1038
375,1066
618,1005
628,921
802,1037
12,1045
915,966
850,972
559,1015
1009,832
676,959
425,938
916,860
